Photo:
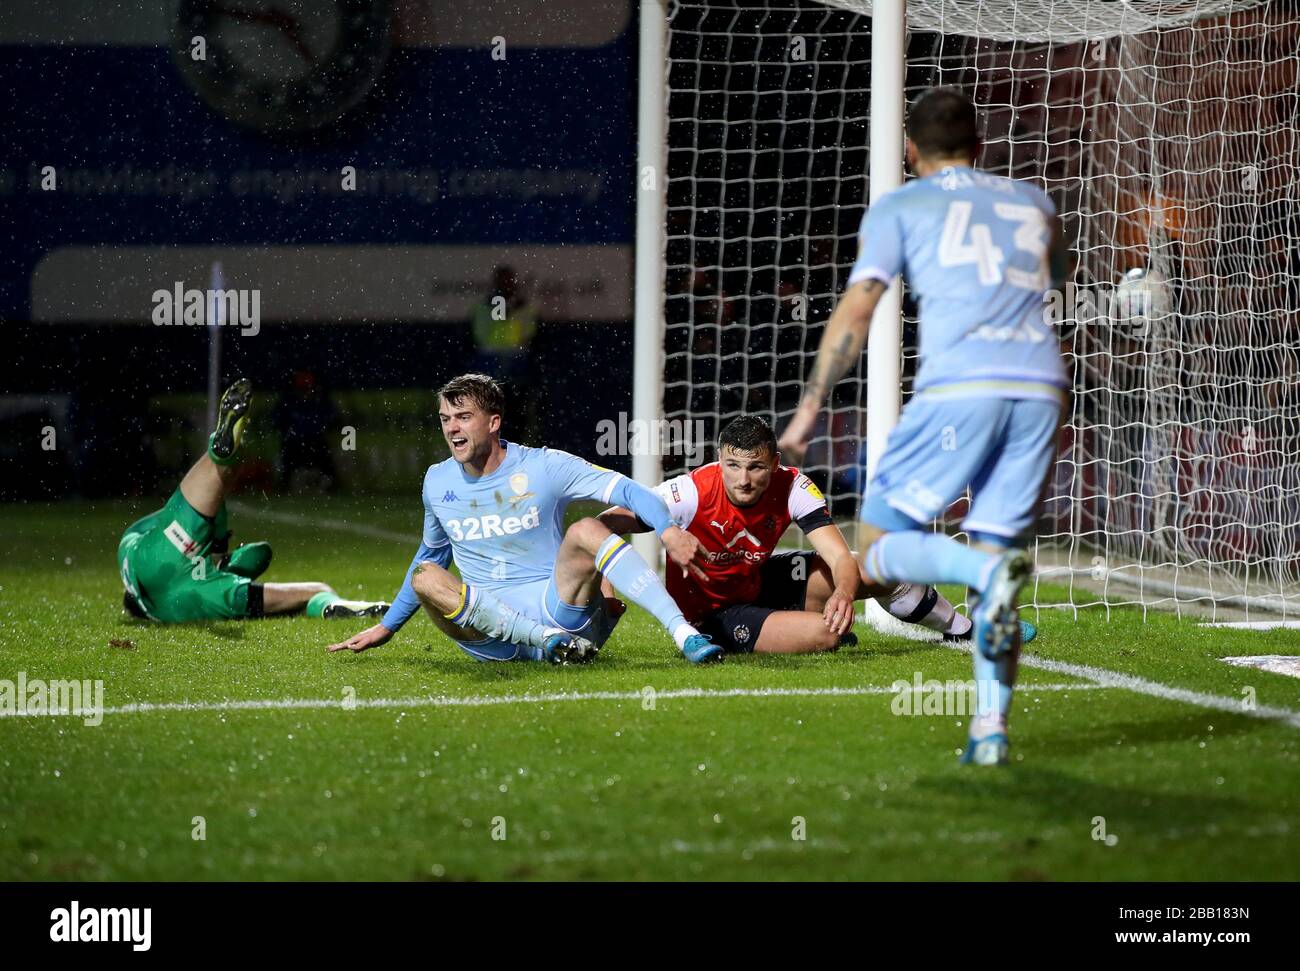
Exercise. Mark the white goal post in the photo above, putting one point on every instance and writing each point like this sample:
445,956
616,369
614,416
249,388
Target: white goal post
1166,132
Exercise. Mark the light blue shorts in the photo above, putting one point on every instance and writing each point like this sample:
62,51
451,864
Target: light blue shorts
540,601
1002,448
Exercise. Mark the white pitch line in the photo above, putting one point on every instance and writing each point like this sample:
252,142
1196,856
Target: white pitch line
1104,678
1128,682
483,701
1254,624
1101,677
293,519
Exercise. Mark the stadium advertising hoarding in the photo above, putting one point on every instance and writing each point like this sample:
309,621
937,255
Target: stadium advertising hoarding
491,133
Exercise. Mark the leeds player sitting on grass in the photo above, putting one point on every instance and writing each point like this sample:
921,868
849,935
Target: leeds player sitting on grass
750,598
528,589
174,562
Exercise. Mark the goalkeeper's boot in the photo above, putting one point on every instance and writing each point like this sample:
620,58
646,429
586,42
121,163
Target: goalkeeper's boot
1027,633
232,415
349,609
698,649
563,647
250,560
996,622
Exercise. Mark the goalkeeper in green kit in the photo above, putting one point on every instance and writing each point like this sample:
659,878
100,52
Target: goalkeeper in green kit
174,562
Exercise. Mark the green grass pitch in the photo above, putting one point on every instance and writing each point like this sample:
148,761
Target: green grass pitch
602,785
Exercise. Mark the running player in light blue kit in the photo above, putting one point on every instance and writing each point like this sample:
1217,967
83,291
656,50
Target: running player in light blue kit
979,252
528,589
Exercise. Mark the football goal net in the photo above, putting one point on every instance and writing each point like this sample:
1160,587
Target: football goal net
1165,131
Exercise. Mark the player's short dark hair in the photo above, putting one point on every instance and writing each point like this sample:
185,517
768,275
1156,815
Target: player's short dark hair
478,388
748,433
942,124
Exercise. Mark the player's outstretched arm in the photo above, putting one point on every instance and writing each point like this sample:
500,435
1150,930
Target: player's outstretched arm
831,546
368,638
840,348
682,548
582,480
405,604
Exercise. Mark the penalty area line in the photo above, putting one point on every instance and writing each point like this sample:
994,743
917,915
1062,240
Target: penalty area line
484,701
1154,689
293,519
877,618
1105,678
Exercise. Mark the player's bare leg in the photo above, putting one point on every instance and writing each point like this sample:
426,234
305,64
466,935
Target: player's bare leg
439,593
821,584
590,551
466,613
205,484
796,632
289,598
577,581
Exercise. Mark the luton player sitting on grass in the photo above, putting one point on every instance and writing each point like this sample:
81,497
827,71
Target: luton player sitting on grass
528,588
174,562
753,599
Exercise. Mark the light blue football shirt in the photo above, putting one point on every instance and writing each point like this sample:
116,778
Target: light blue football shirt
506,527
974,249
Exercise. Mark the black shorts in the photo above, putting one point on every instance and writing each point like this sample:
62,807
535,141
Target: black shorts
784,586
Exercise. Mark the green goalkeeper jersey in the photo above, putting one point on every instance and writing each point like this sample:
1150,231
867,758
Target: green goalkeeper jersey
165,562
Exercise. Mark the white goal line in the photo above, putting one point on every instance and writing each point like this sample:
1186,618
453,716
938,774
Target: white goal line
485,701
877,618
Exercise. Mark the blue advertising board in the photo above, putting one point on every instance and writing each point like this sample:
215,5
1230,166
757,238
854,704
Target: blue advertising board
498,133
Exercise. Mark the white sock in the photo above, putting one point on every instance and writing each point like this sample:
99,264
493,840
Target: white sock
915,603
680,634
981,726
